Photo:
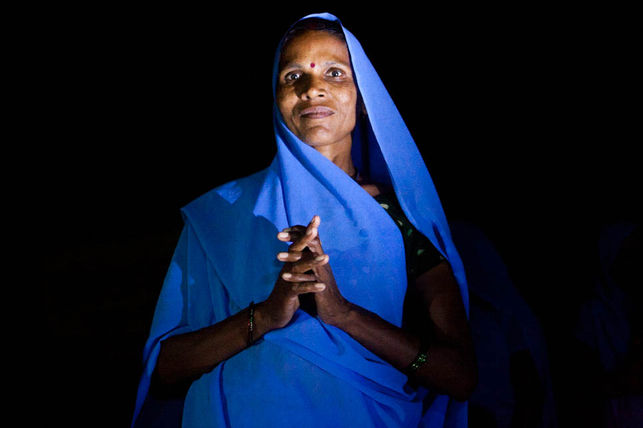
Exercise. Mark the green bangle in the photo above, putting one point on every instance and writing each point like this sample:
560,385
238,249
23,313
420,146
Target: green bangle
418,362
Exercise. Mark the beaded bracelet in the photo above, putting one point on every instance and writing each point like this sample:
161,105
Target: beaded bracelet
420,359
251,323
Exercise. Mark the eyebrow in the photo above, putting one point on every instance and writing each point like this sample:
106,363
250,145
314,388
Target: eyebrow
297,65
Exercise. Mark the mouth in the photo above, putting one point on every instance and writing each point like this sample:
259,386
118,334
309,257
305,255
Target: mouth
316,112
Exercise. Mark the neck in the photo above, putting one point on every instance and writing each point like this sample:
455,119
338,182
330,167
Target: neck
340,155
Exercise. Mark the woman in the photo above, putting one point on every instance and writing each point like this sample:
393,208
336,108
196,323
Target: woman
323,345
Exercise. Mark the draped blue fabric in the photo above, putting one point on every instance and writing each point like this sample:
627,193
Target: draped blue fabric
308,373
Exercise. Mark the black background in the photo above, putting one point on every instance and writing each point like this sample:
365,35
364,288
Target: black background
528,120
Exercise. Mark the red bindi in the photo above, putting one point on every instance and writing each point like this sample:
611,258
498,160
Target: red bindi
312,65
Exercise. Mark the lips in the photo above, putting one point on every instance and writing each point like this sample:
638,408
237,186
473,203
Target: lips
316,112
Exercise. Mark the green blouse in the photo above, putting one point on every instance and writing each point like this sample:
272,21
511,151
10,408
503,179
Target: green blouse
421,255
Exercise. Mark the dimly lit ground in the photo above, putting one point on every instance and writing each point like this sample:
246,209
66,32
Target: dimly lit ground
526,122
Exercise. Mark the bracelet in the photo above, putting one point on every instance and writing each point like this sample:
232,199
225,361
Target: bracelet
251,323
420,359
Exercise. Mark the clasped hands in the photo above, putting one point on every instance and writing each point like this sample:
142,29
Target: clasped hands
306,270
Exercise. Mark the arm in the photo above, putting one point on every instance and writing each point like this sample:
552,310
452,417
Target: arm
185,357
451,366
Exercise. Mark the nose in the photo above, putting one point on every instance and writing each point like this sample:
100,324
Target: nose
313,87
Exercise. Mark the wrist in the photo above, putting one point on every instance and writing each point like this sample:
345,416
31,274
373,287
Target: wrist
262,320
344,318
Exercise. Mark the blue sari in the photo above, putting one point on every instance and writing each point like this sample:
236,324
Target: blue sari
309,373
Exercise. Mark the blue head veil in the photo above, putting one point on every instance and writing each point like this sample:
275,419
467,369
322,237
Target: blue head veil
308,373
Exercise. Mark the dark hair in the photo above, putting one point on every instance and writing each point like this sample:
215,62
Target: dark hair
313,24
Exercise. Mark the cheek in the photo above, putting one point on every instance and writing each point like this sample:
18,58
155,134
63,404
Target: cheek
349,101
284,104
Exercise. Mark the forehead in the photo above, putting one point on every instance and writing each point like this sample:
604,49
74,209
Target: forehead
314,45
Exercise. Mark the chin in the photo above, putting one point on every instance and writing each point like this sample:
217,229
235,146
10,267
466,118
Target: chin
317,143
315,137
319,139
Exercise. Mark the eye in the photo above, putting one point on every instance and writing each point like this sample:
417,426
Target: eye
292,76
335,72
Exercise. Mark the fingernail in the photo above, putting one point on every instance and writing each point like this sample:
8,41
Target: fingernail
283,235
320,258
286,276
282,255
320,286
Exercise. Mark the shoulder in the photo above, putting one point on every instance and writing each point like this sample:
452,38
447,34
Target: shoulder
232,195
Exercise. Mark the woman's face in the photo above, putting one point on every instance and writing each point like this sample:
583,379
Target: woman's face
316,93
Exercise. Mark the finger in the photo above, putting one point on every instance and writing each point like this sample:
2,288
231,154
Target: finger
298,277
314,246
290,256
291,234
316,221
307,287
299,245
311,233
308,263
